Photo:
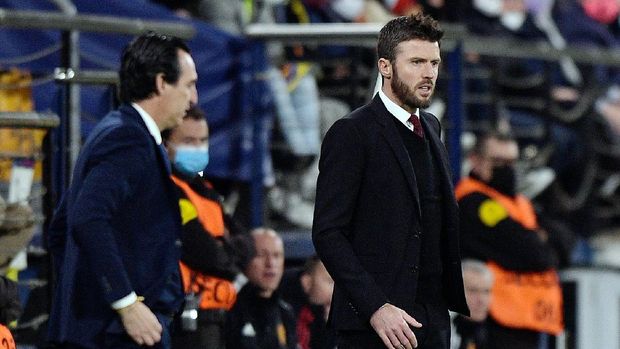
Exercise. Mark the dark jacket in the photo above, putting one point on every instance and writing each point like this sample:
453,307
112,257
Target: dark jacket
367,219
117,230
255,322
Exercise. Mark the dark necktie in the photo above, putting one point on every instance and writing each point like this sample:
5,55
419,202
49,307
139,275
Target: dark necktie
417,126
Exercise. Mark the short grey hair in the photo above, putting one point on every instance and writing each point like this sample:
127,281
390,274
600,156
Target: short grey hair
478,267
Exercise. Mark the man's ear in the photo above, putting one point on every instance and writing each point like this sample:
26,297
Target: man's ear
385,68
306,281
160,83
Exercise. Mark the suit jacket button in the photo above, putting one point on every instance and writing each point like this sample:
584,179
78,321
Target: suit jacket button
414,268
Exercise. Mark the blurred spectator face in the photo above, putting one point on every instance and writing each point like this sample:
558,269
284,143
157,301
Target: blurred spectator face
478,294
495,154
190,132
318,285
513,14
410,78
266,268
603,11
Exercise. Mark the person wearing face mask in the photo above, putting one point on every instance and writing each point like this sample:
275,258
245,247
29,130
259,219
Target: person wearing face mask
499,226
213,250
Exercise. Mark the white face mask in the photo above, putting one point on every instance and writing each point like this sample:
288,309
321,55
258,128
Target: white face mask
490,8
512,20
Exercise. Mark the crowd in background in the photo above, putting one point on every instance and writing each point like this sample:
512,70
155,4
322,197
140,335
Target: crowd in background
565,117
564,113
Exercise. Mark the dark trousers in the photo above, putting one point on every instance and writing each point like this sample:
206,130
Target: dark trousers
123,341
501,337
434,333
208,335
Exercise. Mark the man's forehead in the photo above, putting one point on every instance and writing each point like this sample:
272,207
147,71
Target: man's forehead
418,47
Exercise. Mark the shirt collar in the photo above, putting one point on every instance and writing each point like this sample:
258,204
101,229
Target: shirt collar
399,113
150,123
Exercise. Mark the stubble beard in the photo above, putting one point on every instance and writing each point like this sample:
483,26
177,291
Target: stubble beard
406,95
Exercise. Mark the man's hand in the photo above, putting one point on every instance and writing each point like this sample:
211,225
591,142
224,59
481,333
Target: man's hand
392,325
141,324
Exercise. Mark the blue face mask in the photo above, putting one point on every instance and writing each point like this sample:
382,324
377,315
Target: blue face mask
191,159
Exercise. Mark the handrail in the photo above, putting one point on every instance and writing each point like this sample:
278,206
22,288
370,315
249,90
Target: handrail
28,120
90,77
366,34
91,23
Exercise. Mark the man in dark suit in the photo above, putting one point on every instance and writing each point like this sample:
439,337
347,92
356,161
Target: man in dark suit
385,220
115,237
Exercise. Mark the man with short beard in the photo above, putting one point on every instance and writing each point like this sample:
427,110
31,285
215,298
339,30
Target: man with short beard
386,220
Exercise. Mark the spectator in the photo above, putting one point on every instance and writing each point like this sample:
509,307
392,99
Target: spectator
309,290
500,227
209,260
114,239
470,332
260,318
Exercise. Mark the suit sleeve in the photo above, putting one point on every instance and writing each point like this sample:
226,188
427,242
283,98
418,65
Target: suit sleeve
57,235
341,170
111,178
500,238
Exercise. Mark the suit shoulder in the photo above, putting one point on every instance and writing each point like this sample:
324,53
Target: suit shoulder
357,118
116,125
360,114
431,118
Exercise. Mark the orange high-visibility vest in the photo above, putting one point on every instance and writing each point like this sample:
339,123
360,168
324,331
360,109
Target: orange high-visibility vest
215,293
6,339
528,300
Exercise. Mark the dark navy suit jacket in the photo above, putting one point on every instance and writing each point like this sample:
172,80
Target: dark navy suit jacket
116,231
368,221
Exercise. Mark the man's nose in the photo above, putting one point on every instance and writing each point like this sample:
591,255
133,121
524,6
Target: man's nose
429,70
193,99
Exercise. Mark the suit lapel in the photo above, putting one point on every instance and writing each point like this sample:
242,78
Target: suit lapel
390,133
162,156
437,149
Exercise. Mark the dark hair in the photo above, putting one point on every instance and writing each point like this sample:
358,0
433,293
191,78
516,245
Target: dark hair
405,28
483,139
146,56
194,113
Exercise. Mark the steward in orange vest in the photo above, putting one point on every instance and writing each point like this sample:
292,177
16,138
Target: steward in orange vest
6,339
526,291
210,264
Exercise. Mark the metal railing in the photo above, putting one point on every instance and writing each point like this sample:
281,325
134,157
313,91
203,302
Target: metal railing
91,23
71,24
